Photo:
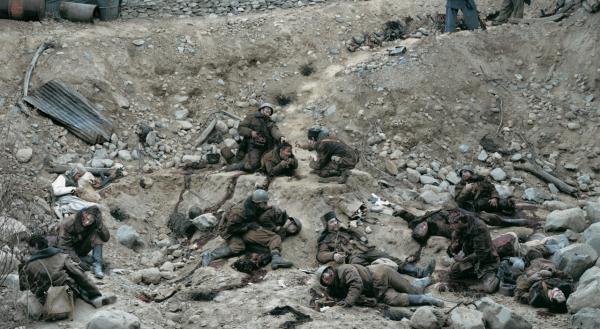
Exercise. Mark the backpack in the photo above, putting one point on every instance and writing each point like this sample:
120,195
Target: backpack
59,304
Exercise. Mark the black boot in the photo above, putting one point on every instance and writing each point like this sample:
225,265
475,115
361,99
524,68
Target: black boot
424,300
277,261
220,252
417,272
97,265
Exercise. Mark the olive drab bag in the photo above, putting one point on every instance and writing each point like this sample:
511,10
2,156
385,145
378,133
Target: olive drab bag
59,302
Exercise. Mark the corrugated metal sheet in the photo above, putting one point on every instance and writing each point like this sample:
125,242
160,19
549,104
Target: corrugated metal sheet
69,108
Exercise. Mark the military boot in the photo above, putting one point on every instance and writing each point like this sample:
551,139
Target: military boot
277,261
424,300
218,253
97,264
422,283
104,300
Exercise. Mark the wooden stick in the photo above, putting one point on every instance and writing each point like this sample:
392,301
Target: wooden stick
231,115
543,175
207,132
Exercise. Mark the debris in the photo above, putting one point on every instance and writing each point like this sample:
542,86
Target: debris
28,73
24,155
207,131
138,42
113,319
78,12
70,109
300,317
399,50
540,173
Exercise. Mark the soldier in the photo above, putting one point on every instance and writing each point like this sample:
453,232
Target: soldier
262,135
48,266
510,8
334,157
469,10
477,193
82,233
342,245
65,190
242,226
432,223
280,161
473,251
543,285
350,283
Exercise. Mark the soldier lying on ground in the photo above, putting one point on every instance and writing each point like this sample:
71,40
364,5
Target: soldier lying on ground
49,266
473,252
342,245
65,190
84,232
261,135
334,159
350,283
543,285
477,193
280,161
243,224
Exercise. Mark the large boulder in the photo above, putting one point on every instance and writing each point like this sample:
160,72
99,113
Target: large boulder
114,319
12,230
425,318
587,293
465,318
586,318
561,220
575,259
497,316
592,210
127,236
433,198
591,236
536,195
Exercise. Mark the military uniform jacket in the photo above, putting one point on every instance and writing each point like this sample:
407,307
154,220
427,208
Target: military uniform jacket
272,164
74,236
239,217
331,146
348,241
476,243
485,190
264,126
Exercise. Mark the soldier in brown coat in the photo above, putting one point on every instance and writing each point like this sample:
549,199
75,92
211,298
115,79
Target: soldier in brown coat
84,232
280,161
334,157
473,251
262,135
477,193
543,285
48,266
341,245
242,226
350,283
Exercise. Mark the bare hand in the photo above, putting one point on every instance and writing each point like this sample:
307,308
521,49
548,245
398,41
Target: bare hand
283,140
493,202
254,134
468,187
339,258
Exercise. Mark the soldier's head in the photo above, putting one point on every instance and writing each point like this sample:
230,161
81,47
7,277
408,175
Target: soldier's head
75,172
330,219
38,242
90,215
285,151
466,172
457,219
266,109
317,133
293,226
325,274
260,198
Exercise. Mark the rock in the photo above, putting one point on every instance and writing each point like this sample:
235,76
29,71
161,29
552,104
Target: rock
230,142
12,230
181,114
151,275
516,157
536,195
453,178
129,237
504,191
24,155
573,125
121,100
146,182
482,155
592,210
587,291
221,127
553,189
465,318
376,139
184,125
497,316
570,166
555,205
167,267
498,174
139,42
434,198
584,179
152,138
425,180
586,318
575,259
391,167
135,154
113,319
463,148
560,220
413,176
591,236
124,155
425,318
205,221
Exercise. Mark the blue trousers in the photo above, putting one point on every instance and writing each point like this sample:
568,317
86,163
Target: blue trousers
469,15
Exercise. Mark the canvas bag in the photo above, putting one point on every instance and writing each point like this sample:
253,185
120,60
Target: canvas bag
59,302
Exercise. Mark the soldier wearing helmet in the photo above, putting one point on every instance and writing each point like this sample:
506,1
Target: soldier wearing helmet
260,134
242,225
477,193
334,159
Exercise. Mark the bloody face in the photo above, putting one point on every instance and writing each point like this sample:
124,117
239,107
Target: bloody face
466,175
292,228
285,152
87,219
327,277
333,224
421,230
266,111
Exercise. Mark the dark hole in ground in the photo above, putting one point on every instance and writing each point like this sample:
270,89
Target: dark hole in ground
283,100
307,69
118,214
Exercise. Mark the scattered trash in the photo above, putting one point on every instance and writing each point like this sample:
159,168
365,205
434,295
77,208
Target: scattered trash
300,317
398,50
70,109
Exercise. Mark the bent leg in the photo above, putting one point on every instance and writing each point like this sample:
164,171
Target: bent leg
393,298
236,245
471,18
264,238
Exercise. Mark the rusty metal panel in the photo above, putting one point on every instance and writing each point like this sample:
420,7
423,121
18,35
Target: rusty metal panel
70,109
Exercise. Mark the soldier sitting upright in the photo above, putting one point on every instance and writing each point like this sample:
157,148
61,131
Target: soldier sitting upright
477,193
280,161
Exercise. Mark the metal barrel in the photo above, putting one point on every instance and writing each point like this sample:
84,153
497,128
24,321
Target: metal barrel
24,10
78,12
109,9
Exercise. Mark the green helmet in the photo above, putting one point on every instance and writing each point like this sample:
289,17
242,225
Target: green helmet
321,270
259,196
296,222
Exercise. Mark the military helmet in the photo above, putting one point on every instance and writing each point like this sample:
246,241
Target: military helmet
321,270
313,133
269,105
259,196
468,168
296,222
